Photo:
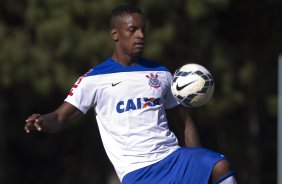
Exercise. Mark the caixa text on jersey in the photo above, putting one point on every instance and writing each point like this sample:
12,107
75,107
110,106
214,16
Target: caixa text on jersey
138,103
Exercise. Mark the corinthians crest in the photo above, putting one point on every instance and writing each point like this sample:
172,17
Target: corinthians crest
153,80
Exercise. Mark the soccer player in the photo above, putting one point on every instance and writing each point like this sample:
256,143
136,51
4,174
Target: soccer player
132,99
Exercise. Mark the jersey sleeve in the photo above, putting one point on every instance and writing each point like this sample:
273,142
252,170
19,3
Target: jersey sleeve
170,100
82,94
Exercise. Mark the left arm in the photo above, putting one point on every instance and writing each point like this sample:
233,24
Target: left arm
184,126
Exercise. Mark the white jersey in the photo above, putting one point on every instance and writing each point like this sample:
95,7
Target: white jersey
130,103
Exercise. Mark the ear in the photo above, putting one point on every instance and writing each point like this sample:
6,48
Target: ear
114,34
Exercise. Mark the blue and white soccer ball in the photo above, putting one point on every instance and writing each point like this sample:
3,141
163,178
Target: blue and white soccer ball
193,85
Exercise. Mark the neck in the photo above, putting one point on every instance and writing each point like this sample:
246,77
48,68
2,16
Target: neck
124,59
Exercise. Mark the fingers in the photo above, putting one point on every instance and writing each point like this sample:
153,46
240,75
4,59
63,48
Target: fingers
33,122
33,117
37,124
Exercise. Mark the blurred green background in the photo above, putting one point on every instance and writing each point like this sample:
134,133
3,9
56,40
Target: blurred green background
45,45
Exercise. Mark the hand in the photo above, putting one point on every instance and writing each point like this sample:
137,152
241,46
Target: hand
34,122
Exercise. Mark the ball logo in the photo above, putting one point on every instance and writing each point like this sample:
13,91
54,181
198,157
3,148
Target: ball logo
154,81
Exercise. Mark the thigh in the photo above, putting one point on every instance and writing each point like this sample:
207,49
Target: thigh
185,165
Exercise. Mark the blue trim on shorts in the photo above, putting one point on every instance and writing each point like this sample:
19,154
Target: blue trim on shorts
184,166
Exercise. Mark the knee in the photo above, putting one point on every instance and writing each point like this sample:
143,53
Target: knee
220,169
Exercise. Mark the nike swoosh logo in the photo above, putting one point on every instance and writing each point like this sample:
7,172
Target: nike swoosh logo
178,88
114,84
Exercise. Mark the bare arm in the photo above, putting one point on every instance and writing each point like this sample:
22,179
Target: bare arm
53,121
184,126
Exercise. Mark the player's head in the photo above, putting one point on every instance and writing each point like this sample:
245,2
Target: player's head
122,10
128,29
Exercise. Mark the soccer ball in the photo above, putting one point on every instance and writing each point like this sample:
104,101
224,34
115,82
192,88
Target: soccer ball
193,85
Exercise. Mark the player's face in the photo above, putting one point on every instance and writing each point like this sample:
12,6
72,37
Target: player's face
130,34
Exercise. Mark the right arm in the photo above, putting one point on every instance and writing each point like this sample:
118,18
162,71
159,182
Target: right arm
53,121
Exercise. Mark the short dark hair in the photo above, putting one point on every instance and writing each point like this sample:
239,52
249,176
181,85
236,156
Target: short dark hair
124,9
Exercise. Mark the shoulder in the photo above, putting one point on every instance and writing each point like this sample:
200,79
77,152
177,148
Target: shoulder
109,66
152,65
105,67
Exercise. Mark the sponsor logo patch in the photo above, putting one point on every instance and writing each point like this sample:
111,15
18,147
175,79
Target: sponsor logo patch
138,103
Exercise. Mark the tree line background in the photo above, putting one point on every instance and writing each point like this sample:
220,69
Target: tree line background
45,45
